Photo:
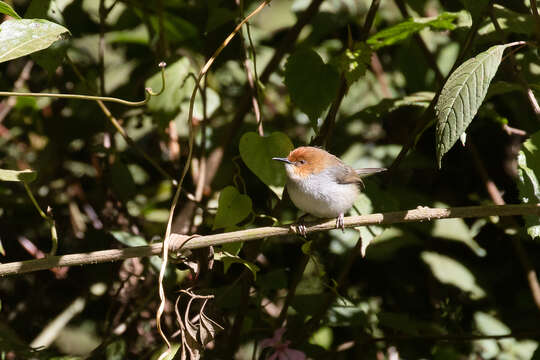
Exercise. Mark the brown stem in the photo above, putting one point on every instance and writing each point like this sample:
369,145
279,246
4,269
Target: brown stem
494,193
432,62
299,272
515,72
325,133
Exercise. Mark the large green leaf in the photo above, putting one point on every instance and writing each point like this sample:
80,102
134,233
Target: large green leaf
450,271
528,184
8,10
233,207
22,37
405,29
26,176
312,84
462,96
257,153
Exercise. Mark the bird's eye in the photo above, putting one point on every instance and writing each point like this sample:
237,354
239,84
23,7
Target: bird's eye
302,162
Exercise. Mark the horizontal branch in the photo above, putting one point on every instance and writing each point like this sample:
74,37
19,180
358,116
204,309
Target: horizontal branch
182,241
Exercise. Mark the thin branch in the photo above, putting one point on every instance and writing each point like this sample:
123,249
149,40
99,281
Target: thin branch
327,127
415,215
432,62
497,198
517,74
427,117
10,102
185,170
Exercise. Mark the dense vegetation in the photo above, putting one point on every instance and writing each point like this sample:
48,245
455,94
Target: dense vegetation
443,93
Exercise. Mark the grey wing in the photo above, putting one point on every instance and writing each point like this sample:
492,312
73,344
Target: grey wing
369,171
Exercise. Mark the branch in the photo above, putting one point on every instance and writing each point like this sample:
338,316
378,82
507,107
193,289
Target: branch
178,241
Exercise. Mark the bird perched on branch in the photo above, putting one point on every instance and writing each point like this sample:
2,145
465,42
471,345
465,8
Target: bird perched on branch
320,184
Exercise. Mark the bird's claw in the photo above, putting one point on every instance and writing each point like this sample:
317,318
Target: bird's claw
299,228
340,223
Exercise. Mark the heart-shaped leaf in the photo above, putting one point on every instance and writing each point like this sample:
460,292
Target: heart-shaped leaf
257,153
233,207
22,37
528,180
312,84
26,176
462,96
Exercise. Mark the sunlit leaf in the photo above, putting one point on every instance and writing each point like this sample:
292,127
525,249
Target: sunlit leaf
8,10
312,84
233,207
322,337
450,271
405,29
257,153
22,37
462,96
229,259
26,176
528,184
129,239
353,62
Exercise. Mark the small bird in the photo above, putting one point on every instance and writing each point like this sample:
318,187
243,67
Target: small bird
320,184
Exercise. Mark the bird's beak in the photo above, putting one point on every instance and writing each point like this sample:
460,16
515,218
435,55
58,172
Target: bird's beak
285,160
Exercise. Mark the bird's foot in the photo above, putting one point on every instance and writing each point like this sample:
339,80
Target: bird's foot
340,223
299,228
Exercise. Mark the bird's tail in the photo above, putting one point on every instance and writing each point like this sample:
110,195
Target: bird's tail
369,171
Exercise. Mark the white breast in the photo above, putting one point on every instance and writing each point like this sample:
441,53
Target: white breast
320,195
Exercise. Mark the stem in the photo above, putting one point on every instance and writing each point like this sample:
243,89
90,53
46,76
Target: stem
49,219
414,215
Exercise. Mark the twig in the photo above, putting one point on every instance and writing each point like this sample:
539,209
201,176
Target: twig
415,215
422,44
299,272
10,102
216,156
148,94
327,127
167,238
427,117
321,312
517,74
536,16
496,197
48,217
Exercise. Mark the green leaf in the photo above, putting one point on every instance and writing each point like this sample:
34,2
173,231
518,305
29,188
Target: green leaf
129,239
233,207
353,62
450,271
26,176
229,259
22,37
462,96
257,153
528,184
176,89
322,337
405,29
312,84
8,10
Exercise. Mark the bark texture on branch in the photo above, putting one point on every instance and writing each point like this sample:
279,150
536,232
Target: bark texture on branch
182,241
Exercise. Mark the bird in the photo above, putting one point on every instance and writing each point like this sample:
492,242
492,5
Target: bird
321,184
